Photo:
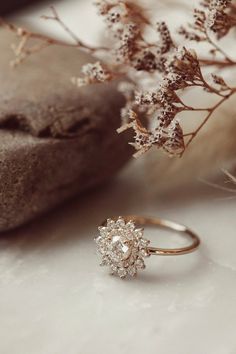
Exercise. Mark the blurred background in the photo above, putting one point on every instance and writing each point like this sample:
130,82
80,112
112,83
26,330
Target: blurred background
54,298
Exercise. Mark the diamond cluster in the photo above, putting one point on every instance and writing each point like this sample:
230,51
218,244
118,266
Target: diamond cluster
122,247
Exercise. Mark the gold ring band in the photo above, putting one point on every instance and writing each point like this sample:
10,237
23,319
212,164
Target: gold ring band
122,245
170,225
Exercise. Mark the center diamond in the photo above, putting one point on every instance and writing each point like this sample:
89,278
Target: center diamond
121,248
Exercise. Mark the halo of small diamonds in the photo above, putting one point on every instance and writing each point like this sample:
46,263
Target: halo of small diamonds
122,247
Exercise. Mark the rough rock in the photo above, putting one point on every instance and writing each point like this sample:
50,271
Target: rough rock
55,140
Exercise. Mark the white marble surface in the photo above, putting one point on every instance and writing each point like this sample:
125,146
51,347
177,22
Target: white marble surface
55,299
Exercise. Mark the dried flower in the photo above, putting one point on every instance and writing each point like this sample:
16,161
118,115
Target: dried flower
166,43
146,98
93,73
218,80
184,64
218,19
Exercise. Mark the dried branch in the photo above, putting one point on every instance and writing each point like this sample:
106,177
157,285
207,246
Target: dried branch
230,179
208,116
24,48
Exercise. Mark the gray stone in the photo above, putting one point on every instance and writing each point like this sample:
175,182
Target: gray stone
55,140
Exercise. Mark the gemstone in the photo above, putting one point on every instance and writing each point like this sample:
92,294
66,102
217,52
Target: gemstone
121,247
140,264
122,272
132,271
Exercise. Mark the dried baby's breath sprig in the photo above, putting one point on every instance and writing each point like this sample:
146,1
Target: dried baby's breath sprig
220,82
216,17
180,67
221,17
92,73
154,112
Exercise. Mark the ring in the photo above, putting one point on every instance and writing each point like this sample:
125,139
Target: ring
123,248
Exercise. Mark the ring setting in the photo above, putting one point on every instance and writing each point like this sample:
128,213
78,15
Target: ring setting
122,246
